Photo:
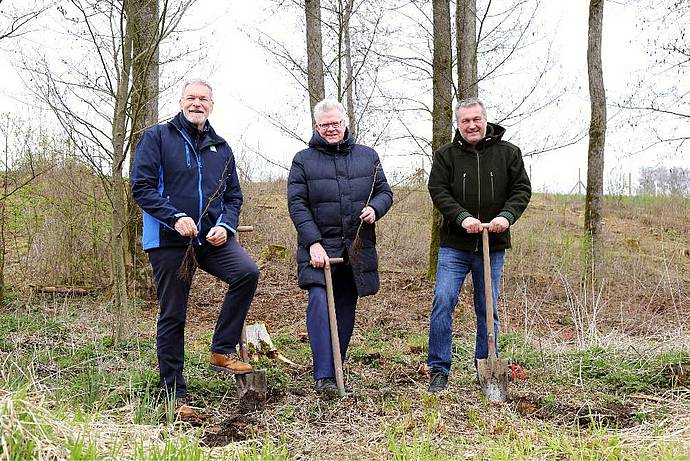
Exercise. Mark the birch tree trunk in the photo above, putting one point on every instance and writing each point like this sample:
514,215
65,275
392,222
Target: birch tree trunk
315,79
597,135
442,116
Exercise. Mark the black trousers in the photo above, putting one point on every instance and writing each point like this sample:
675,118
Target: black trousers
228,262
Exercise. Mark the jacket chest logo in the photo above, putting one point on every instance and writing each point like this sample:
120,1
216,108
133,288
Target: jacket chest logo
213,149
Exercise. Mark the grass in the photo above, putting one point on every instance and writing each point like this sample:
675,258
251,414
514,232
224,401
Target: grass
614,386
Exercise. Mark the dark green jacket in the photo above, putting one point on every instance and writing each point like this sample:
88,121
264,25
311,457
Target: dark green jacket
483,181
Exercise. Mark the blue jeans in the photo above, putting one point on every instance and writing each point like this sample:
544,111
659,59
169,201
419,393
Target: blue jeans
453,267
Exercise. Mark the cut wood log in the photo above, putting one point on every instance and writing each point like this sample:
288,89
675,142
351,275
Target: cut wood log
251,390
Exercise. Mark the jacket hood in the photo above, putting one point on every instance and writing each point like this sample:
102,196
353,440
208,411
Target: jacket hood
494,133
318,142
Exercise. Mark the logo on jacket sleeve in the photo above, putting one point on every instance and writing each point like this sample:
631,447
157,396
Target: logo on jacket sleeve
213,149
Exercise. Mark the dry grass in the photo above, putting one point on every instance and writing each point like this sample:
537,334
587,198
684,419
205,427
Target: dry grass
581,350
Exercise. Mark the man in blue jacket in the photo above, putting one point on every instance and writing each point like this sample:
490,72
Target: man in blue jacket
336,191
184,179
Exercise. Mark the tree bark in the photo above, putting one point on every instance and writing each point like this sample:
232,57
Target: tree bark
466,42
597,136
349,81
118,192
442,116
144,21
315,79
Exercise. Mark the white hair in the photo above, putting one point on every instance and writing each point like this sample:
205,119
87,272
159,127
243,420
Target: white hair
467,102
197,81
328,105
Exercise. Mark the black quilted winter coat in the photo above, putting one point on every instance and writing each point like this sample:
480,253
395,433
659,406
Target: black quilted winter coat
328,186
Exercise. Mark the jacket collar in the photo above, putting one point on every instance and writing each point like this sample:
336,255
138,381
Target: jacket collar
343,147
494,133
203,138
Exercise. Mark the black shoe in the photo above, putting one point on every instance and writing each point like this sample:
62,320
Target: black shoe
326,387
438,382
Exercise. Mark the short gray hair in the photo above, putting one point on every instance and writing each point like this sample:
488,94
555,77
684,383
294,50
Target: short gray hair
197,81
470,102
328,105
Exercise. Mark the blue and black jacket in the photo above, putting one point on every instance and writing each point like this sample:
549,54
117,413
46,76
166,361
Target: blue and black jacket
179,171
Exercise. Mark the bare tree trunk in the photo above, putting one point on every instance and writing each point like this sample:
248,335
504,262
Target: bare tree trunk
315,80
349,82
466,40
118,231
442,116
597,135
144,20
3,216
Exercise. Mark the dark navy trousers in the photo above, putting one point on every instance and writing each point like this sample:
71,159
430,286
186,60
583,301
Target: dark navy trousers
318,327
228,262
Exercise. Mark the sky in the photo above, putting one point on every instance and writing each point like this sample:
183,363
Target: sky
249,87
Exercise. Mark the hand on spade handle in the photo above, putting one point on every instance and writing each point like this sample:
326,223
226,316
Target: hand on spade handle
333,323
244,348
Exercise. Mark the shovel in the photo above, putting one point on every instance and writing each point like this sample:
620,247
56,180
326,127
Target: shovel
251,387
492,371
335,340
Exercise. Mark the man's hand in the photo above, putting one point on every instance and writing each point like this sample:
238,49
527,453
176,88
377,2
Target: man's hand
217,236
318,255
472,225
368,215
186,227
498,224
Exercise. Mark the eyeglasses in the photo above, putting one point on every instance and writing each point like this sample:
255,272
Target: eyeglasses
326,126
202,99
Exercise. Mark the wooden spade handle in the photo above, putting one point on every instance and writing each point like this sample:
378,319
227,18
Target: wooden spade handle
245,228
333,324
488,294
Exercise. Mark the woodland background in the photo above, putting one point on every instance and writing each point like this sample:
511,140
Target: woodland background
594,300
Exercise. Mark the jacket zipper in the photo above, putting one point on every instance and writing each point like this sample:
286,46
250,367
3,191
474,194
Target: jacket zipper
479,197
491,176
188,143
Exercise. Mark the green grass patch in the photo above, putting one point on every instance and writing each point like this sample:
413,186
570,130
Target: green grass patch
625,373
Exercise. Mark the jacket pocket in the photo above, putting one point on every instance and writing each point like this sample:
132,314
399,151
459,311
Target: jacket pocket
187,156
493,190
464,187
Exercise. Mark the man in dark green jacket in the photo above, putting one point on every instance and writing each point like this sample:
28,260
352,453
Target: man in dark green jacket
478,178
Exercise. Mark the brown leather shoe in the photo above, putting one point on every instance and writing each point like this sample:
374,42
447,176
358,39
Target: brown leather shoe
185,413
229,363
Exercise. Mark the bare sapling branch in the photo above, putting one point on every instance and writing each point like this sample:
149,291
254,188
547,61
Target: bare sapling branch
189,263
357,242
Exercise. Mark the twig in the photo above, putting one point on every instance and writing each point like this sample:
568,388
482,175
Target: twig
189,263
357,241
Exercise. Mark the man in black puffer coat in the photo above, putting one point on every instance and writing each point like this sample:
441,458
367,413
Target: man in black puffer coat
478,178
336,191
